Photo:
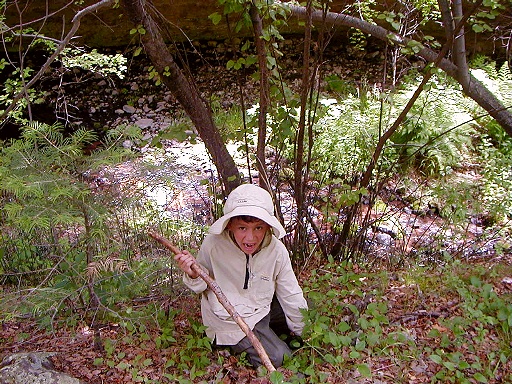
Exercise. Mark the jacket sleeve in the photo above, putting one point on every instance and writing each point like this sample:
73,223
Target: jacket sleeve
290,295
198,285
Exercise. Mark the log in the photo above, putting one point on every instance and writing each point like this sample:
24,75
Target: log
212,284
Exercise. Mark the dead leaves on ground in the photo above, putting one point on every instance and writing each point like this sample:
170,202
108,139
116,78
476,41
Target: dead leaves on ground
418,313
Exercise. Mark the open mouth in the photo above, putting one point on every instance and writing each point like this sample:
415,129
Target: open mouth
249,246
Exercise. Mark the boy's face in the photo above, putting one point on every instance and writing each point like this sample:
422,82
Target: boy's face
248,235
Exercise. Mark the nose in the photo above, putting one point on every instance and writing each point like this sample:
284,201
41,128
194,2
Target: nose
249,235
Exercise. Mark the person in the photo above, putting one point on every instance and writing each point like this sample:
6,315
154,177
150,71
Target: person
243,254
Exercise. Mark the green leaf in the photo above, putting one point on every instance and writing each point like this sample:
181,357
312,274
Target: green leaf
364,370
479,377
436,359
98,361
475,281
477,28
122,365
147,362
276,377
215,18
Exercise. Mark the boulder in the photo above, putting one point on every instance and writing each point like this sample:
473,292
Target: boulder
33,368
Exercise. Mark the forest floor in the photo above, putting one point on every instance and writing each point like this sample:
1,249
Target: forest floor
426,311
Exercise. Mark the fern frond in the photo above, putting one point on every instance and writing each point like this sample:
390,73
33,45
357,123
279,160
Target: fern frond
82,137
44,134
110,264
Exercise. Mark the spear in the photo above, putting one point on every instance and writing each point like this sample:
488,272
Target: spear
212,284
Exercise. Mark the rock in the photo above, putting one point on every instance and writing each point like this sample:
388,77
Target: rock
128,109
144,123
33,368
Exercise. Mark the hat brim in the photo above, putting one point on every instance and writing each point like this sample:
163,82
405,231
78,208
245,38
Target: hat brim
254,211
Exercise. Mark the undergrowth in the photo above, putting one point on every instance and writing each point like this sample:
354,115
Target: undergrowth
438,324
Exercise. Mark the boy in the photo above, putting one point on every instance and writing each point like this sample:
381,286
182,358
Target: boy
253,269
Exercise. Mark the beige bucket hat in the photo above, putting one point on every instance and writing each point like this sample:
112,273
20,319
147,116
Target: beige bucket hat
251,200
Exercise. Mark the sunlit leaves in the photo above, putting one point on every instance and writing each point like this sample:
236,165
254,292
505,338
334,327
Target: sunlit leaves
95,61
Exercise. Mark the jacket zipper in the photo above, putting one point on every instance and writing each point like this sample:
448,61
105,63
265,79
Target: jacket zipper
246,282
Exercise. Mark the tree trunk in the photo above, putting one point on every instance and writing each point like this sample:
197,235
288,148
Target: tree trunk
184,90
257,24
471,86
300,167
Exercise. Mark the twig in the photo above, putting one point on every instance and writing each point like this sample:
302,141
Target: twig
417,315
212,284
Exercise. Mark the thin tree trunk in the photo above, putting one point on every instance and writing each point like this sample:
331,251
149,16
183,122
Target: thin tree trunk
94,301
299,174
451,16
257,24
184,90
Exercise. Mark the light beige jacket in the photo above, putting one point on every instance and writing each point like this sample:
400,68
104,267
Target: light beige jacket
270,271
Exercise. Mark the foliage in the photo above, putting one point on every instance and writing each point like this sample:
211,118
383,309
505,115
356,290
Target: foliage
23,71
340,149
495,145
94,62
435,133
58,228
80,241
353,326
437,139
13,85
497,186
449,322
44,174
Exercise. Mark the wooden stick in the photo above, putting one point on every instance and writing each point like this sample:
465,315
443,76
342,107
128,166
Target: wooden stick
212,284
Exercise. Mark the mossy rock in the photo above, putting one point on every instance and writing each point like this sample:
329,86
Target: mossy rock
34,368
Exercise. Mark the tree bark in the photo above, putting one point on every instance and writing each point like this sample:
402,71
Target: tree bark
300,175
184,90
452,16
474,89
